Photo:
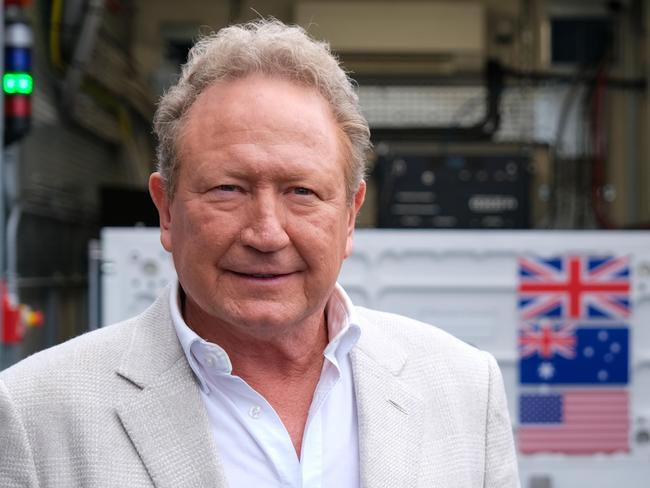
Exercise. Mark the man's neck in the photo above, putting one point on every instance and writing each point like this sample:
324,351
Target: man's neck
285,358
291,352
284,369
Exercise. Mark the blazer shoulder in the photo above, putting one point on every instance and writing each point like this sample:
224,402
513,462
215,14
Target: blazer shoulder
90,351
425,346
413,333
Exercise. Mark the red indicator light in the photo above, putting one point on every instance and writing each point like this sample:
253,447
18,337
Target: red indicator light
18,106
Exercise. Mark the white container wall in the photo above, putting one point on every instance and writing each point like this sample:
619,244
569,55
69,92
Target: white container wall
466,282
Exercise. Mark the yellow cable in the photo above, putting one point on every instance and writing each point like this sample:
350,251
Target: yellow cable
55,33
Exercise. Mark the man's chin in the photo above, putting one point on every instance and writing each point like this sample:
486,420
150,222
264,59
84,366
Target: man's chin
265,323
269,321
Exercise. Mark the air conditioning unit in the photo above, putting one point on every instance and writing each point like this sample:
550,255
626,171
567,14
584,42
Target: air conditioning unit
386,35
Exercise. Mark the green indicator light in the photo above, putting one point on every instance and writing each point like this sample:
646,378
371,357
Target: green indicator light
17,83
9,84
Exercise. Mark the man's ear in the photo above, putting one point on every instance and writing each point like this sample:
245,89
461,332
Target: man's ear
162,202
353,210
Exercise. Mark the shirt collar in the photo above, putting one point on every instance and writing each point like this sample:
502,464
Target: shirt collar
342,328
196,349
342,324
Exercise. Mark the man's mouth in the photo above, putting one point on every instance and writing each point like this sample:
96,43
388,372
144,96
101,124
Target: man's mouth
266,276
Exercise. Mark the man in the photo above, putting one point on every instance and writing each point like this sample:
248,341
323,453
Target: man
254,369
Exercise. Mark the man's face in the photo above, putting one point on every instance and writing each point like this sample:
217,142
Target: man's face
260,223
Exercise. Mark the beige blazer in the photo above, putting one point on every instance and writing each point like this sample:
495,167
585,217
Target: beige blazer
120,407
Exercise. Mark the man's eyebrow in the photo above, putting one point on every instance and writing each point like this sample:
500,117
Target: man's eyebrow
284,174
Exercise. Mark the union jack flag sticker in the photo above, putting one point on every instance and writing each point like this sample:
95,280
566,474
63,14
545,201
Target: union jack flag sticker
574,287
547,339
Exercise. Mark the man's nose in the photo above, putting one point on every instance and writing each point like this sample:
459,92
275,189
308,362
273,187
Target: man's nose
264,230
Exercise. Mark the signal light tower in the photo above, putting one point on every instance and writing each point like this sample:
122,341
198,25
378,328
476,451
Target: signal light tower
17,82
17,85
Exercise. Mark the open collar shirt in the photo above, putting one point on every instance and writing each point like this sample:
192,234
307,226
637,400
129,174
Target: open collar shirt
253,444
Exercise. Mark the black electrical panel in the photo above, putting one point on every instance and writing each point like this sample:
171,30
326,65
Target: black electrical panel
126,207
453,191
580,41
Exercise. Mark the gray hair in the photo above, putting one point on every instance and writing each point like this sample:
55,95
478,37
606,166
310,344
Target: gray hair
272,48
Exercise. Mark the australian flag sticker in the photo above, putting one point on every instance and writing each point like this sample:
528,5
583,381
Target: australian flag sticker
559,353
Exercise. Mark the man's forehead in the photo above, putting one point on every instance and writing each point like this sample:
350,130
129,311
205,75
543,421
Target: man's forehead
262,107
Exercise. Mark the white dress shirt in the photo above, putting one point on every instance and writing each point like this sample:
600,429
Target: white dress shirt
253,444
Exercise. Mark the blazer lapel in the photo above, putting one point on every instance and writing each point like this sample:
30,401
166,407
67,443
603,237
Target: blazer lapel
169,428
389,414
166,420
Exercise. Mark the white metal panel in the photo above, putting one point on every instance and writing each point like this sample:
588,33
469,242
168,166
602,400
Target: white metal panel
135,269
464,282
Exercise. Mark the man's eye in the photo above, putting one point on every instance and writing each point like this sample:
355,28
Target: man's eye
302,191
228,187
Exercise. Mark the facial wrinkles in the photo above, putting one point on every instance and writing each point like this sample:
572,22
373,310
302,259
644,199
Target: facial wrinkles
257,162
281,144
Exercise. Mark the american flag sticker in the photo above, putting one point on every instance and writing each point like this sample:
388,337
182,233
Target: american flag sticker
574,287
574,421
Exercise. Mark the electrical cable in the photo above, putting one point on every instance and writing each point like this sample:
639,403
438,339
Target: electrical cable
585,77
56,13
598,149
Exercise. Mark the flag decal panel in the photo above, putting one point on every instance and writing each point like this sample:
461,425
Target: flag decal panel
554,353
574,354
574,421
574,287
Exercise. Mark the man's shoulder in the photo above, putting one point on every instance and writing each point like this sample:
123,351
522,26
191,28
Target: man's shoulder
84,354
424,344
93,354
411,332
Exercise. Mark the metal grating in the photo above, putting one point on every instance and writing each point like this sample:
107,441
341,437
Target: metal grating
528,114
422,106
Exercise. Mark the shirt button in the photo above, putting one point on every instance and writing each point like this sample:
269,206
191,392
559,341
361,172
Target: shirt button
255,411
209,360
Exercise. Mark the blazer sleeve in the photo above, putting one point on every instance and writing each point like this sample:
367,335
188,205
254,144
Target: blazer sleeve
17,468
500,459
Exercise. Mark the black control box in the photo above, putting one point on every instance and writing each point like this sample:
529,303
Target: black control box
453,190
